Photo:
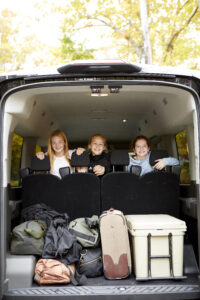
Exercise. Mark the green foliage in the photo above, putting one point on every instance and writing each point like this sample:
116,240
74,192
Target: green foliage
70,51
16,158
6,31
182,146
173,26
173,29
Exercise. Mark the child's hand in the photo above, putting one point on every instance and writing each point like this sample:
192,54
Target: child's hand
81,169
159,165
40,155
80,150
99,170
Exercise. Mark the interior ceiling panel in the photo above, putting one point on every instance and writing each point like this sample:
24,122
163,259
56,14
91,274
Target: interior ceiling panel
121,116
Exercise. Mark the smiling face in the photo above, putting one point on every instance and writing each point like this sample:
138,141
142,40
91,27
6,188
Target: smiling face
58,145
141,149
97,146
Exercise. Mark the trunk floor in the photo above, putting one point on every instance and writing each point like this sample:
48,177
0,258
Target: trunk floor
130,281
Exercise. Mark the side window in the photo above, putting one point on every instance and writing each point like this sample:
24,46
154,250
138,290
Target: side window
17,144
37,149
182,147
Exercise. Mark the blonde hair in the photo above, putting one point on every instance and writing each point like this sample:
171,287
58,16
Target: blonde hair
98,135
50,151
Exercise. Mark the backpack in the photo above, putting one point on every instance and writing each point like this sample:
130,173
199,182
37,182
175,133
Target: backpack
86,230
28,238
60,243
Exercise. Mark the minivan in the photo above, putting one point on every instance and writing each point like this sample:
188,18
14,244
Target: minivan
121,101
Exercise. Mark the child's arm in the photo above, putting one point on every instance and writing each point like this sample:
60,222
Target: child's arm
168,161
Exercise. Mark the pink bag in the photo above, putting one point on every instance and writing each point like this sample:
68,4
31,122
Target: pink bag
51,271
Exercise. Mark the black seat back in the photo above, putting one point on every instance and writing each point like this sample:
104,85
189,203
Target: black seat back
40,164
157,154
120,190
159,193
40,186
119,159
81,195
82,160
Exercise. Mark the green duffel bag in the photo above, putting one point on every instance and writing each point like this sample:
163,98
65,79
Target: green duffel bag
28,238
86,231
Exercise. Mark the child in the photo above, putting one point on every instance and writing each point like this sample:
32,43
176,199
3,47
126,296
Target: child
141,148
58,152
99,159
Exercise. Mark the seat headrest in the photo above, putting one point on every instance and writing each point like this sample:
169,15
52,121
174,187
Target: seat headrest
136,170
64,171
40,164
119,158
157,154
24,172
82,160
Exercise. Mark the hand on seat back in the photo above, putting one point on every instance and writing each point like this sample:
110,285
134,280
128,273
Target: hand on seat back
159,165
40,155
80,150
81,169
98,170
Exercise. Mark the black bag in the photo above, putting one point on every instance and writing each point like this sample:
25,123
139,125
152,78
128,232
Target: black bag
60,243
91,263
41,212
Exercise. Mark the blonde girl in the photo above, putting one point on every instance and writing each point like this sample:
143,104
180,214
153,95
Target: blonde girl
58,152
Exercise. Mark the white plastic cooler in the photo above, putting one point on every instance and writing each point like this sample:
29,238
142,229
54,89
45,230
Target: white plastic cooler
157,246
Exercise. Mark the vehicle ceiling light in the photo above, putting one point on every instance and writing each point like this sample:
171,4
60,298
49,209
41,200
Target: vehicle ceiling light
98,95
96,91
114,89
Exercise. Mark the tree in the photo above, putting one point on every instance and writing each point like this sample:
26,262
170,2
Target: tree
172,27
145,30
70,50
6,31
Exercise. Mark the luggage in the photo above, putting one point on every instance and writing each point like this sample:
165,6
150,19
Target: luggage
91,262
28,238
86,230
60,243
115,245
42,212
51,271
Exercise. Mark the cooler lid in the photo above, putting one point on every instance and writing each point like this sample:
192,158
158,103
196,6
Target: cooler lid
154,221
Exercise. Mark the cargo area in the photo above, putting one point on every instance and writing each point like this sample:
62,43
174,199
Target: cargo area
160,108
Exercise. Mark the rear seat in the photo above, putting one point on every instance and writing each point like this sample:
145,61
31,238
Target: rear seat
38,187
81,191
154,193
85,194
77,194
119,189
